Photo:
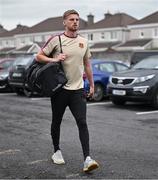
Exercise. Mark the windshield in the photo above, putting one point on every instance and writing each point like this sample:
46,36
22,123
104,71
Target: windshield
148,63
23,61
6,64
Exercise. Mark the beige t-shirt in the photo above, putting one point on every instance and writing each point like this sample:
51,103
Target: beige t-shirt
76,50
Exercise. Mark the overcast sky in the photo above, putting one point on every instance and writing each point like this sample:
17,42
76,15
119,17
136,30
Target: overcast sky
31,12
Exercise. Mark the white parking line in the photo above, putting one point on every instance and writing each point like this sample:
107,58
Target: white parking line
88,104
72,175
149,112
7,94
37,161
41,98
10,151
98,103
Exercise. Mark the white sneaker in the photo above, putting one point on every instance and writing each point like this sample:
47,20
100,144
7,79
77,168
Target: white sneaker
90,164
58,158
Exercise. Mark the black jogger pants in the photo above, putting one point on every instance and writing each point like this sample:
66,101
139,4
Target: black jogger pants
76,101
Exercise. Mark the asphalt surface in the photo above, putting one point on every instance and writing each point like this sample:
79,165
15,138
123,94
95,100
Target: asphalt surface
124,140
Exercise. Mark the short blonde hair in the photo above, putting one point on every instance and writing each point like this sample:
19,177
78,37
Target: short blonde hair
68,12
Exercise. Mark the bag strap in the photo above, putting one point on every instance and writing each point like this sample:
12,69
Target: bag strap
61,50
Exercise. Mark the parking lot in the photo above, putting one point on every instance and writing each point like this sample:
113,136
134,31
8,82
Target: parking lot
123,139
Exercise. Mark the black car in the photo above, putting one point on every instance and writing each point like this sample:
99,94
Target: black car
17,75
140,83
5,65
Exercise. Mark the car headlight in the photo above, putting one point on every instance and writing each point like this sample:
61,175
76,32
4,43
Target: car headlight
3,76
110,79
144,78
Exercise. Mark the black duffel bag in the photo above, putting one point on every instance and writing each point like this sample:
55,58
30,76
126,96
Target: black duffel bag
46,78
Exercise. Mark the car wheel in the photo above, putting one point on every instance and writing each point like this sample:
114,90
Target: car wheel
27,92
98,92
118,101
155,100
19,92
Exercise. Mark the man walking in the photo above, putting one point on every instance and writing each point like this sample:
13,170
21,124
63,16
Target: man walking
75,60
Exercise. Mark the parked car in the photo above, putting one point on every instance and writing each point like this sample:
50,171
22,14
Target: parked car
17,75
102,69
5,64
140,83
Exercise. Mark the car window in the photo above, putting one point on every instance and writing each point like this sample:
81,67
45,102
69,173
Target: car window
6,64
23,61
96,66
148,63
120,67
107,67
140,55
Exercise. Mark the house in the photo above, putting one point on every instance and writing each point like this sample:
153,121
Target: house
115,36
2,30
143,34
7,38
111,28
22,35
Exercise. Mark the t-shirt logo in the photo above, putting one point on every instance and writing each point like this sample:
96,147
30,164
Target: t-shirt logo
81,45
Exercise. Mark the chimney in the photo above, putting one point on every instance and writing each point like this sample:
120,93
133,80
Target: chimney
107,15
2,29
19,26
90,18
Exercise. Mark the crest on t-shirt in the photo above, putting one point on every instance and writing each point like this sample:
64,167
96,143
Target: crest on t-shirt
81,45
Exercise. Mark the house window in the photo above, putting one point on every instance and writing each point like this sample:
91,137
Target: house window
90,37
38,38
32,38
113,34
6,43
141,34
22,40
156,32
102,35
43,39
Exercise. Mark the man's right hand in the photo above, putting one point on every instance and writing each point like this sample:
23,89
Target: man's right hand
61,57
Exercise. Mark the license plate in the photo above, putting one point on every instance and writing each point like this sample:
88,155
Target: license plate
17,74
119,92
